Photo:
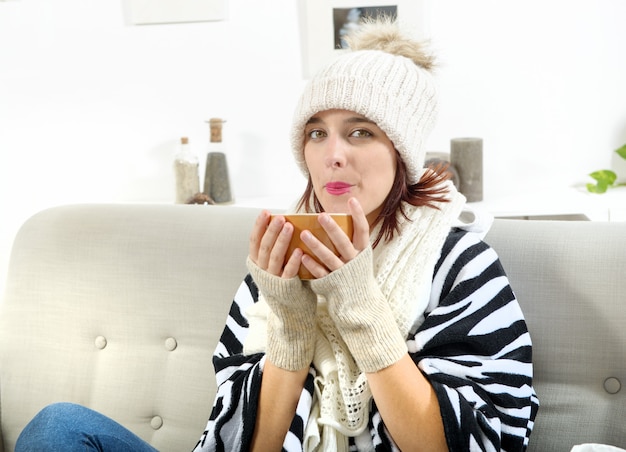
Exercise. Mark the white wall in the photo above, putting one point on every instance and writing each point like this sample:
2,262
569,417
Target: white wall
91,109
543,82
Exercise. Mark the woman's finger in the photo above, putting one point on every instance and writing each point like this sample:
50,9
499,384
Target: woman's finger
361,236
314,267
292,266
268,239
278,253
341,242
321,252
258,229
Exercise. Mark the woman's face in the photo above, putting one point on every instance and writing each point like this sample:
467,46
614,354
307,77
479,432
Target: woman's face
349,156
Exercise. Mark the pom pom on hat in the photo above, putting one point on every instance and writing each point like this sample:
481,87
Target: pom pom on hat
386,78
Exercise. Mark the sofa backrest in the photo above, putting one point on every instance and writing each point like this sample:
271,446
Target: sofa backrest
570,279
119,307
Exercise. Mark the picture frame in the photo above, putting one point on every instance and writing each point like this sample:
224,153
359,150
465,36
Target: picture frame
323,22
156,12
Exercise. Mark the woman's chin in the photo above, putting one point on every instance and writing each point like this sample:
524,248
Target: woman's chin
335,207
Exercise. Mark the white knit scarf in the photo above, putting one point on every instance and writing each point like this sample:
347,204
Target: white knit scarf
403,268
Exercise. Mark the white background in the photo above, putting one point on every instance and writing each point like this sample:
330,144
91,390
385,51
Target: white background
91,109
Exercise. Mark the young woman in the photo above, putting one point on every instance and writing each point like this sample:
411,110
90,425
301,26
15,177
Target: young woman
410,339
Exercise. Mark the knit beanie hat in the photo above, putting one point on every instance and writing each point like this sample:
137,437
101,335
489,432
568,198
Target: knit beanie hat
385,76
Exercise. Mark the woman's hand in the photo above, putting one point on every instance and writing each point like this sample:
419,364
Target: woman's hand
269,241
290,329
291,320
347,247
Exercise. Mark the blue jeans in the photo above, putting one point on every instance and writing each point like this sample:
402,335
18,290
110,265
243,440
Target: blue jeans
72,428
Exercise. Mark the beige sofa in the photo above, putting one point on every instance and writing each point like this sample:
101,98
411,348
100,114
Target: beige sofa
119,307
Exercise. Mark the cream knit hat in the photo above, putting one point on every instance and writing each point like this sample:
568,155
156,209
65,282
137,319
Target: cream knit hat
386,78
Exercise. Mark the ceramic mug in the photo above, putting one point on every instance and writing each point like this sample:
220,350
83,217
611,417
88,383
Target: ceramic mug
308,221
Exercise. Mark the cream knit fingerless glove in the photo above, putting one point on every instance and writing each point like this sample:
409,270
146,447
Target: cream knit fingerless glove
361,314
291,322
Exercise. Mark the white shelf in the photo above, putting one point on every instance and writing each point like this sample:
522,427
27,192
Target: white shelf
572,203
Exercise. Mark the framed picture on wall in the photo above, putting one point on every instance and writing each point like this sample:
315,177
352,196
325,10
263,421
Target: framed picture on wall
323,24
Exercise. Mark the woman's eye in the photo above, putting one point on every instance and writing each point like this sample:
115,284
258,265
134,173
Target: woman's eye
315,134
361,133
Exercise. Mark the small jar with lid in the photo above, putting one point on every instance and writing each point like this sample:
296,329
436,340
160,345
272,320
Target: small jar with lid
186,172
216,178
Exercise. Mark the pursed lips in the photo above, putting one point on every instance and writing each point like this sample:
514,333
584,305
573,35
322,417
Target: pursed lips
338,188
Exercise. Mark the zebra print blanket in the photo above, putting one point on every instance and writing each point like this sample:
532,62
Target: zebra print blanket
473,346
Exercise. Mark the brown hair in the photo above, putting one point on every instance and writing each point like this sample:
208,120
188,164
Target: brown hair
426,192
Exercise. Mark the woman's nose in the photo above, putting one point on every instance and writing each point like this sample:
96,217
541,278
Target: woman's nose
335,153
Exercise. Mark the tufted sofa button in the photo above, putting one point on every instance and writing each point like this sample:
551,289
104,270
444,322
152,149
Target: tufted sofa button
612,385
100,342
171,344
156,422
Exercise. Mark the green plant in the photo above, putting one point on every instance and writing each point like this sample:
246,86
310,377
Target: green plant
605,178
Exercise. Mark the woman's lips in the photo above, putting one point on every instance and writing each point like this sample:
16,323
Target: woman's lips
338,188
